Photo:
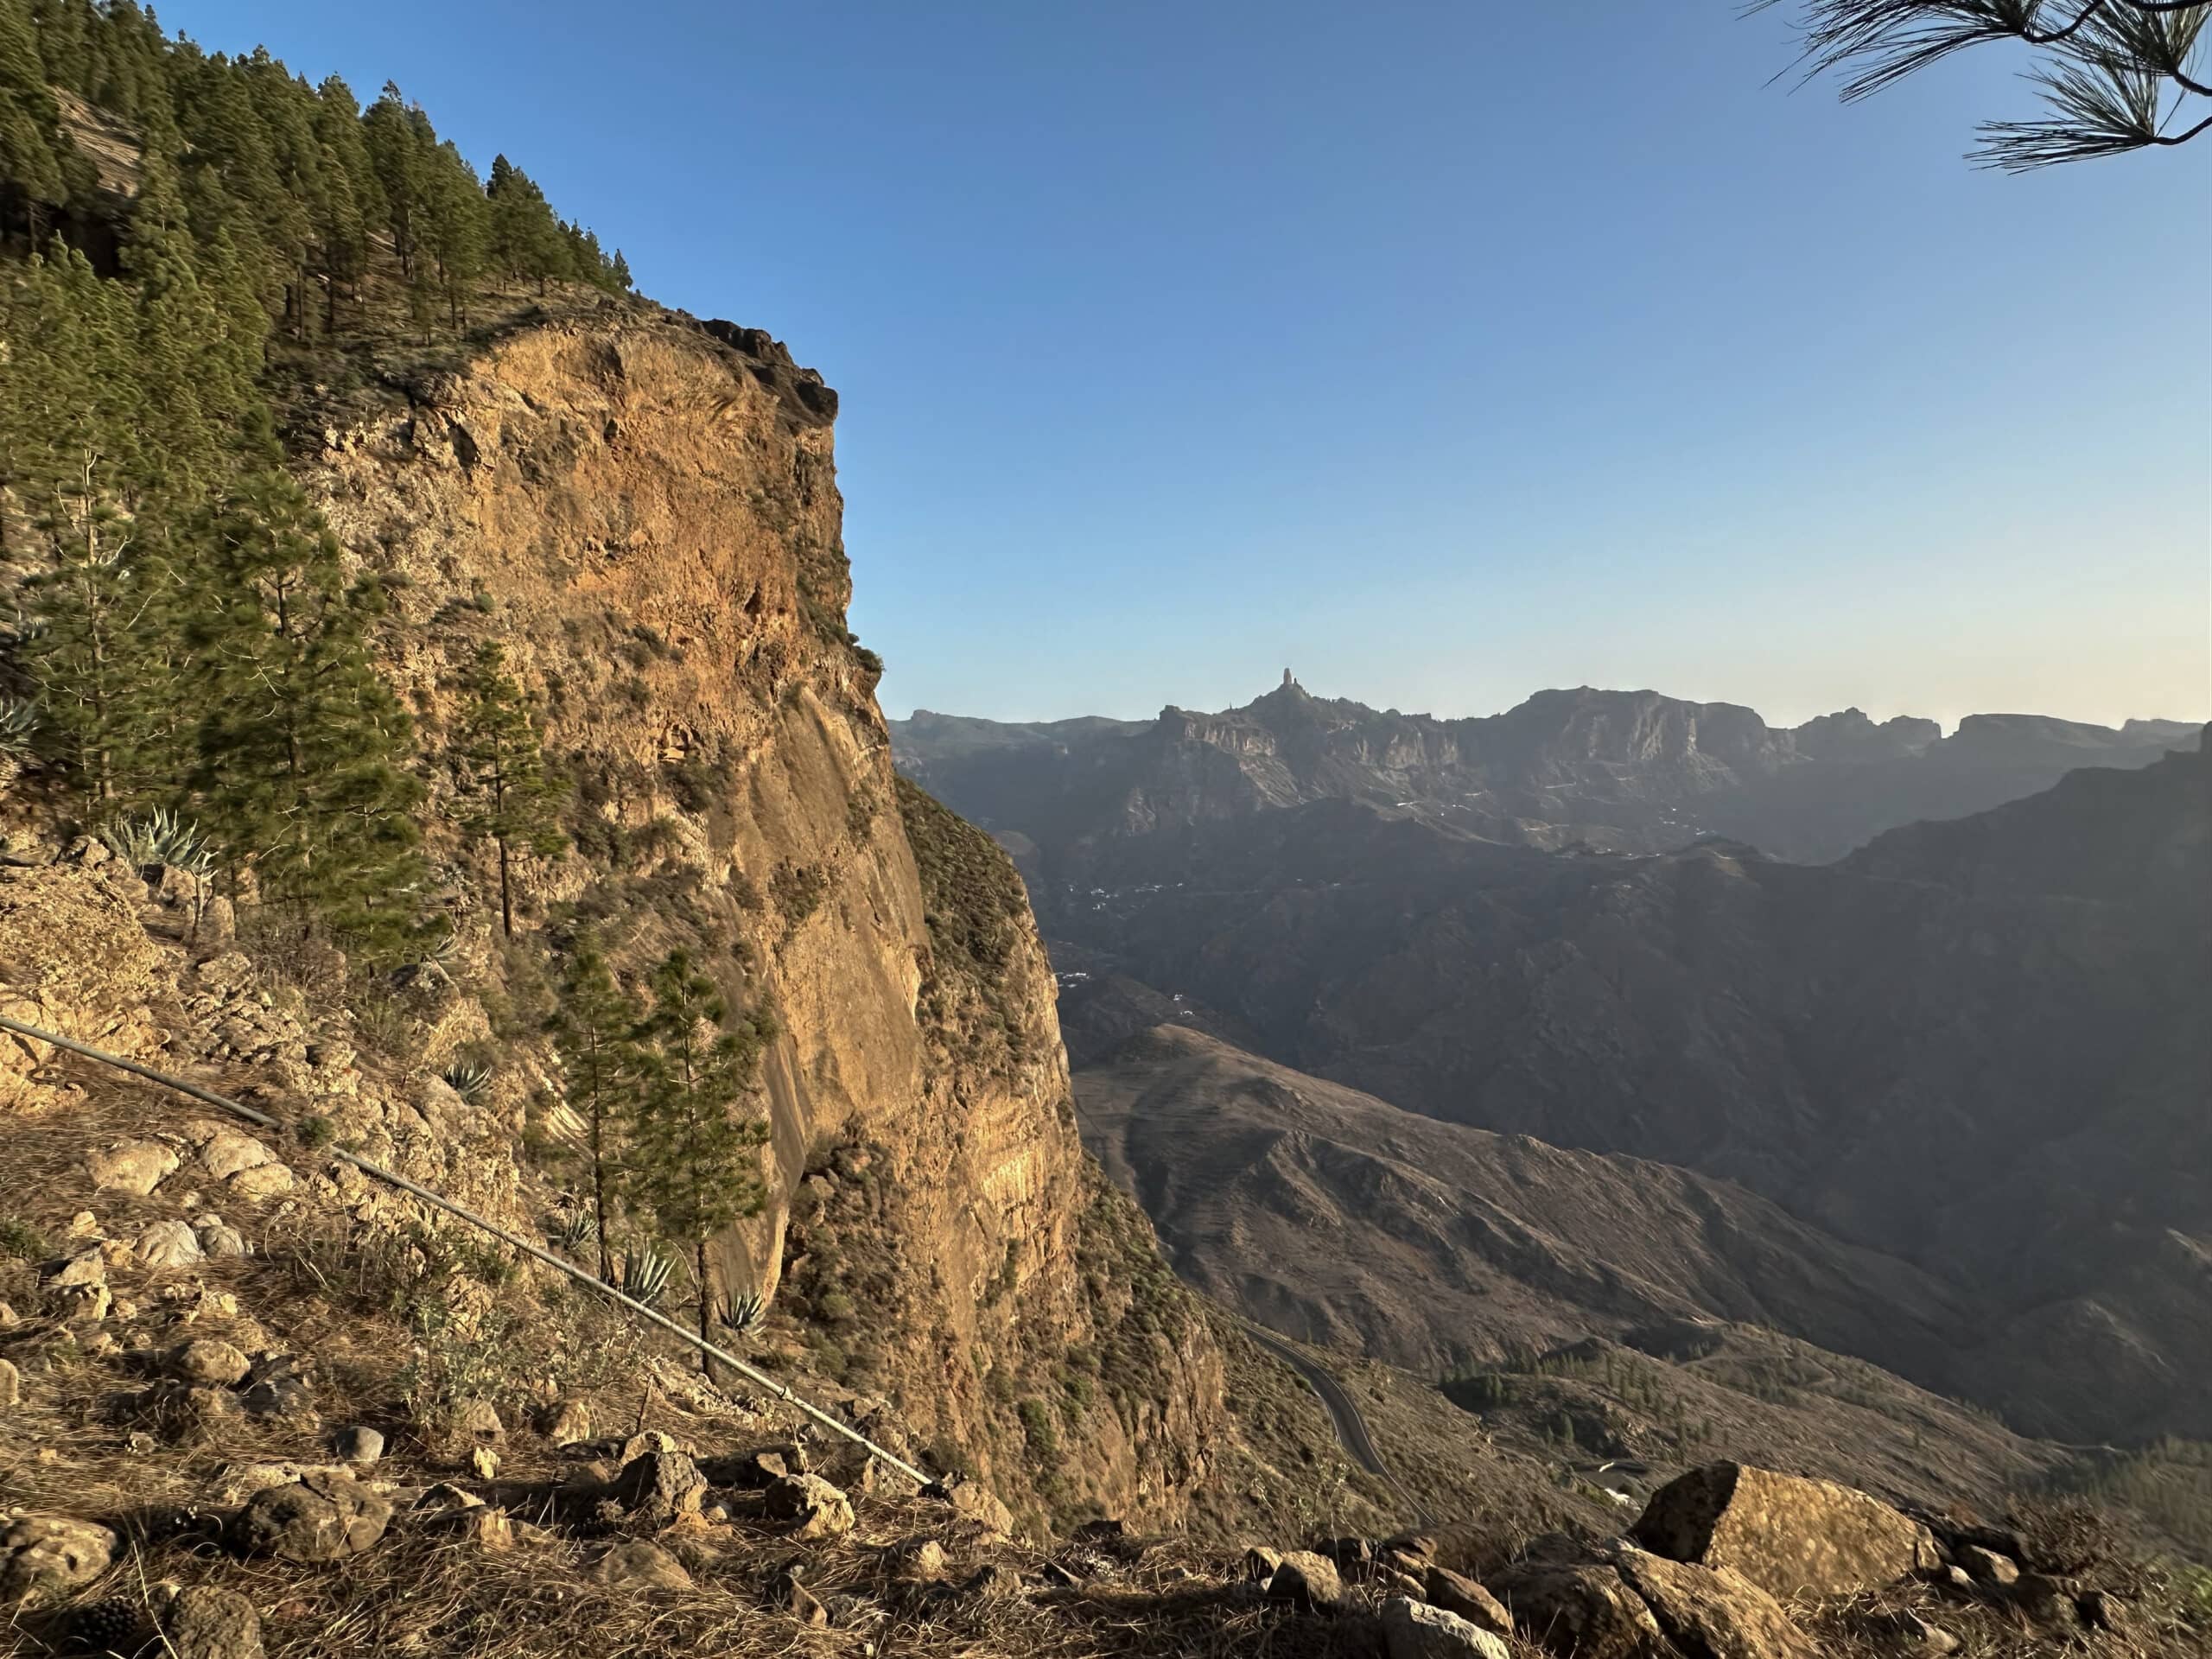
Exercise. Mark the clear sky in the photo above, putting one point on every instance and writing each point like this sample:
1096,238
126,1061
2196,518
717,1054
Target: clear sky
1442,350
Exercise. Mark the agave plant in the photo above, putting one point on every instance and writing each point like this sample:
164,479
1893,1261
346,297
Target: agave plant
164,837
576,1231
645,1273
466,1078
18,722
743,1314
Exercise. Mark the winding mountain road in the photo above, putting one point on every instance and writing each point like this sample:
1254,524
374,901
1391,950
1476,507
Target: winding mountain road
1343,1413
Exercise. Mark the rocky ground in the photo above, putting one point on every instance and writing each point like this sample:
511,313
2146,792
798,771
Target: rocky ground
252,1404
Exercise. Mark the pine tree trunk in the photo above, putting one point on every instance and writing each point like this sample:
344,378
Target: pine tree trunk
705,1304
506,896
599,1189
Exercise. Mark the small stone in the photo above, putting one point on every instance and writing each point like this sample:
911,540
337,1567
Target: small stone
1904,1632
661,1485
817,1508
446,1498
1988,1566
1413,1630
203,1621
650,1440
477,1419
787,1595
1463,1596
231,1152
569,1423
639,1566
211,1361
262,1181
990,1582
9,1318
1307,1581
80,1271
11,1385
219,1238
975,1503
358,1445
920,1558
133,1167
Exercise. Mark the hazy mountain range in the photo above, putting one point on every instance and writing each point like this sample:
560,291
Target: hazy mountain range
1620,771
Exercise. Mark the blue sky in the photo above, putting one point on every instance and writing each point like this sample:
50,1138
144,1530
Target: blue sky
1443,351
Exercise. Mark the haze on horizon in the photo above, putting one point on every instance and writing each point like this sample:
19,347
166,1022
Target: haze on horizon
1445,353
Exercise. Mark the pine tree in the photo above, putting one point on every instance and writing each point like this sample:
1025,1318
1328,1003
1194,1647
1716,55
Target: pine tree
302,746
457,228
395,138
698,1164
595,1029
618,274
499,761
96,652
31,143
525,236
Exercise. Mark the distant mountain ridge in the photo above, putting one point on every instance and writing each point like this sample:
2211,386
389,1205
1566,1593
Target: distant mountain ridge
1977,1047
1618,770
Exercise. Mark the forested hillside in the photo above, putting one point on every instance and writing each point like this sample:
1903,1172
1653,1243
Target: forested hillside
190,239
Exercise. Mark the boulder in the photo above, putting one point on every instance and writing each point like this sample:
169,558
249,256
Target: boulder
1789,1535
203,1621
210,1362
133,1167
46,1557
661,1485
1584,1611
813,1507
324,1517
169,1244
1463,1596
1413,1630
1307,1580
639,1566
1713,1612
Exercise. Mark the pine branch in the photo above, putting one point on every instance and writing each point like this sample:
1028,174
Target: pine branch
2104,76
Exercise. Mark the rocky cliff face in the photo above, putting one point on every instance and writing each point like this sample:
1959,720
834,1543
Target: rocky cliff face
642,510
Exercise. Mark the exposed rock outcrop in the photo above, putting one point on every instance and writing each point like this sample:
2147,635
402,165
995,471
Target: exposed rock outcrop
1787,1536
